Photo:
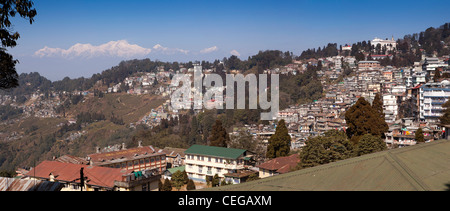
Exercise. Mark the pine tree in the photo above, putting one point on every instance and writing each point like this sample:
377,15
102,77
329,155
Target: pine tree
331,147
369,144
185,177
337,145
219,136
215,181
377,106
190,185
420,138
280,142
178,179
193,137
362,119
313,154
167,186
160,185
437,74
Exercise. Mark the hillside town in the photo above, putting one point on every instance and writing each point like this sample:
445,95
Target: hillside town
412,98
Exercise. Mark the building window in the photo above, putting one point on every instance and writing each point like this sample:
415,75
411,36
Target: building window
209,159
147,160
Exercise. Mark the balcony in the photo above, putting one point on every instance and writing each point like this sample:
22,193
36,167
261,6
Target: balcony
137,181
436,94
234,166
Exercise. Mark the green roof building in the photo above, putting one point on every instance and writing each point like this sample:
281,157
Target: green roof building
169,172
221,152
206,161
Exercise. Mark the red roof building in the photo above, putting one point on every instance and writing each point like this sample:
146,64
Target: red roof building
279,165
137,159
96,177
69,173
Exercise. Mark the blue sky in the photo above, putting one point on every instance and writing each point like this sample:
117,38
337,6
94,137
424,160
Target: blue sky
83,37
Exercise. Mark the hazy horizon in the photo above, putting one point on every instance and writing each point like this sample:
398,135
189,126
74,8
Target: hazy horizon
81,38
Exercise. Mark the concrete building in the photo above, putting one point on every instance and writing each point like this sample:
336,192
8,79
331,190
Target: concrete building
390,107
204,162
430,64
368,65
388,44
137,159
419,77
347,47
432,96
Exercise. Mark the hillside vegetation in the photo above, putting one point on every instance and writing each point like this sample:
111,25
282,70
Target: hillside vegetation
42,138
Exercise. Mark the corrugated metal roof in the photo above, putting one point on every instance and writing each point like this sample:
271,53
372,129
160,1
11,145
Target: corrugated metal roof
98,176
179,168
414,168
283,164
124,155
221,152
71,159
13,184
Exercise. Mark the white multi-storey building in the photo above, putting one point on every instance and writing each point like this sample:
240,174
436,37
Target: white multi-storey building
419,78
388,44
206,161
390,107
430,64
432,96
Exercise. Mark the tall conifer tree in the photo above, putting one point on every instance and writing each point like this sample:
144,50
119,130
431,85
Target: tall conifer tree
362,119
420,138
280,142
219,136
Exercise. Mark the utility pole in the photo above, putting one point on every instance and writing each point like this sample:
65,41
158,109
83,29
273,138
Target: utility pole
82,178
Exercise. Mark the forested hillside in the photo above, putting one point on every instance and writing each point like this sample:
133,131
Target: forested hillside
432,41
